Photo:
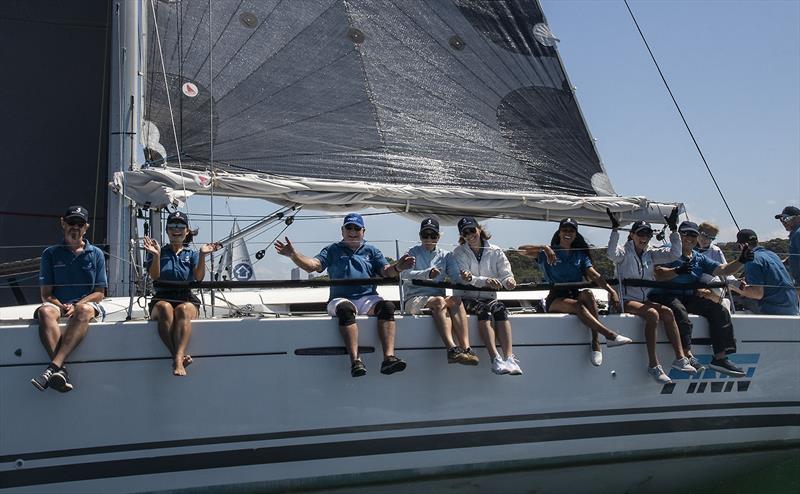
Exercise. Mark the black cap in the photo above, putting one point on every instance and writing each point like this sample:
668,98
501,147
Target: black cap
429,224
746,236
467,222
641,225
178,217
77,212
689,227
568,222
788,211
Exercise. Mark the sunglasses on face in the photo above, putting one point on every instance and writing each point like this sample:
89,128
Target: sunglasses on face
644,234
354,228
689,234
75,222
176,226
469,231
708,236
427,235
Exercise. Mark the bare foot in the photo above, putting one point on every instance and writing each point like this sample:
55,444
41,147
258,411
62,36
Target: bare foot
178,369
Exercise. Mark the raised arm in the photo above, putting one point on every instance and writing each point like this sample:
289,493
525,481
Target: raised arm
614,252
534,250
308,264
200,269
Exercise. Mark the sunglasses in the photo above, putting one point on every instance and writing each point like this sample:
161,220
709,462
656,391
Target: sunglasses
176,226
469,231
708,236
689,234
354,228
644,234
431,235
74,222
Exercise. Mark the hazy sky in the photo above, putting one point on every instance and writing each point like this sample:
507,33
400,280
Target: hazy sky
734,67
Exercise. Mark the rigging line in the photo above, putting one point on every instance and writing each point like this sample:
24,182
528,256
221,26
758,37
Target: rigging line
211,41
680,112
169,102
211,123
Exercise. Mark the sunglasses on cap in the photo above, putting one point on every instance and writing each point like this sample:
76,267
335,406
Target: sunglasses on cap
708,236
352,227
74,222
469,231
176,226
429,235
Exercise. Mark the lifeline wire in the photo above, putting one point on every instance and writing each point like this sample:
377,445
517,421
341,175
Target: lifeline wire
685,123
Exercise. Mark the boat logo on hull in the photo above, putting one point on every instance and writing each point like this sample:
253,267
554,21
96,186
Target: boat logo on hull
711,381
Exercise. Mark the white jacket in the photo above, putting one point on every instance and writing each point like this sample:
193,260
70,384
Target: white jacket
493,264
630,266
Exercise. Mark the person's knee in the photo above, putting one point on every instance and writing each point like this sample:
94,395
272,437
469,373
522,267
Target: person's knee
346,314
436,304
185,311
384,310
453,301
161,309
666,314
651,316
499,312
47,313
586,297
84,312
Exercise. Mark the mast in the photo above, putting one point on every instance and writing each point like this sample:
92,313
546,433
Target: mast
123,149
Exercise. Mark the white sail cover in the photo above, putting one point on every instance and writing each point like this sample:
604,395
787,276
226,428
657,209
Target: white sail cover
426,107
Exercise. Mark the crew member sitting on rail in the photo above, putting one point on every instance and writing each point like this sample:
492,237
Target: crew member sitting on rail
482,264
353,258
434,264
567,260
72,276
766,279
689,269
173,309
790,219
636,260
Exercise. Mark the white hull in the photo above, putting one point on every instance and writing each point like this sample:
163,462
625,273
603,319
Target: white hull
256,412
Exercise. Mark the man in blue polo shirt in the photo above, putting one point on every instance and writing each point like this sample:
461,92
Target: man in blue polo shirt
766,280
687,270
72,277
352,258
790,219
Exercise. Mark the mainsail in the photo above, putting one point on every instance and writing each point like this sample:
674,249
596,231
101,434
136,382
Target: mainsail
437,106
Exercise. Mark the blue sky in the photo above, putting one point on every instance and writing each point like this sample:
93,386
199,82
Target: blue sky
734,67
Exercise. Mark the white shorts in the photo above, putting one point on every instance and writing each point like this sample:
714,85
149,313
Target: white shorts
99,310
415,305
362,305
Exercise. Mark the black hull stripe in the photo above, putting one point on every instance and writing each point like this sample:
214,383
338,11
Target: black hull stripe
118,448
368,447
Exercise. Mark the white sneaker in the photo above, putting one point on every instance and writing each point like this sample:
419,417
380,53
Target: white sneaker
618,341
596,358
682,364
658,374
499,366
512,364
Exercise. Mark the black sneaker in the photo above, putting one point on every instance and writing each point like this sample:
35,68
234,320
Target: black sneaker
454,355
60,381
41,382
725,366
392,364
357,368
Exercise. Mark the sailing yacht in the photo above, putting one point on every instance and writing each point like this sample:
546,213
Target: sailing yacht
444,108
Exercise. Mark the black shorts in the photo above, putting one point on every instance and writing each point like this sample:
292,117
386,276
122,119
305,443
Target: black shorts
557,293
174,298
485,309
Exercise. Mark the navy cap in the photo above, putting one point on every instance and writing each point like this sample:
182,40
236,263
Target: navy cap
788,211
568,222
640,226
429,224
353,219
77,212
467,222
178,217
746,236
689,227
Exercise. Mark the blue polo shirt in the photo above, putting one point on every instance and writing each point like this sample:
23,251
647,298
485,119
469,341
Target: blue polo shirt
767,269
699,264
425,260
345,264
570,266
72,276
175,266
794,254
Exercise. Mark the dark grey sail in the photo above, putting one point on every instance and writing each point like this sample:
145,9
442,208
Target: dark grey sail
453,94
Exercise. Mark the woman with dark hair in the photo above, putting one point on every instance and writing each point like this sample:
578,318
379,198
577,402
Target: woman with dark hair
174,309
567,260
482,264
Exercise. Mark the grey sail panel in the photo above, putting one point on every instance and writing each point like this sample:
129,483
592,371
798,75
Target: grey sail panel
457,94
